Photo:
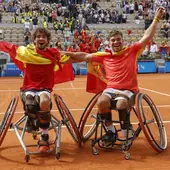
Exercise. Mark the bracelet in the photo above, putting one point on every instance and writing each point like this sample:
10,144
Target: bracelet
156,19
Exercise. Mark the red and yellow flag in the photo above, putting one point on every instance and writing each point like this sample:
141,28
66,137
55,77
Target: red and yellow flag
21,56
96,77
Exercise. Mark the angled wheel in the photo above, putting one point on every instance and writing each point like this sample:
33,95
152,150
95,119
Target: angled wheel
7,118
68,119
151,122
87,124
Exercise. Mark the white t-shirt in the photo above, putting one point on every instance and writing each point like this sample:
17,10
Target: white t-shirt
27,25
153,48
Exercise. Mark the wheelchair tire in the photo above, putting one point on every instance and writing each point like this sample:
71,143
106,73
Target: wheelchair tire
151,122
7,118
68,119
87,117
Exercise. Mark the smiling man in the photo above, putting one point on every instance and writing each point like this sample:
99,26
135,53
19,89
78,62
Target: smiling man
121,73
39,64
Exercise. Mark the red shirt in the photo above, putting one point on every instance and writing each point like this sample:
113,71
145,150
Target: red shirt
35,76
121,68
38,77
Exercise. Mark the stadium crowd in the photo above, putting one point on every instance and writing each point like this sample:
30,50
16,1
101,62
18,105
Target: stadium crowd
72,24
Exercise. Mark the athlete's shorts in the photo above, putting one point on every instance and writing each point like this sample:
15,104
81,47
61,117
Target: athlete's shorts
36,92
110,92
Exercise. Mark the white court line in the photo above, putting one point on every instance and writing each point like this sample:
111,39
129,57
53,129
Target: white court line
165,94
55,89
72,87
82,109
133,123
116,124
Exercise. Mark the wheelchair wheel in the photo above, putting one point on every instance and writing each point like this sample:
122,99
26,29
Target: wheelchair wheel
87,124
68,119
151,122
5,122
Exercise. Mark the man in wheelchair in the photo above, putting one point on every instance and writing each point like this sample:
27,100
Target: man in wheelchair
122,101
39,64
37,106
121,74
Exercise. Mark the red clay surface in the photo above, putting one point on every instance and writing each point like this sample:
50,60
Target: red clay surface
143,157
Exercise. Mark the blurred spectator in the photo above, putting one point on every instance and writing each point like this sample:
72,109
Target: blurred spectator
59,47
124,17
94,5
0,17
165,29
27,37
15,19
67,43
61,25
163,49
35,22
27,25
167,14
45,23
131,7
147,22
153,49
145,52
101,48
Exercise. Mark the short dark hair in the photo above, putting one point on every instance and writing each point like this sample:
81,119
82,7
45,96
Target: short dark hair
41,30
115,32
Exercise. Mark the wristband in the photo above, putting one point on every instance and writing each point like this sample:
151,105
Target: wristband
156,19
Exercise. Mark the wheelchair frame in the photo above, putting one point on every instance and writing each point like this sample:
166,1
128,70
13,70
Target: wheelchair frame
55,124
143,125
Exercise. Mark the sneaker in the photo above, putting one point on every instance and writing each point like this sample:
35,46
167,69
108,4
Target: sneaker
109,138
43,143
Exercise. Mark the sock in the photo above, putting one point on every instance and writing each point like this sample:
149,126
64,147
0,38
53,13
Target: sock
124,132
44,131
111,128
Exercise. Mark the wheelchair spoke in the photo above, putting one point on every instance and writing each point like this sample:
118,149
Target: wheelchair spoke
68,119
6,120
87,123
151,122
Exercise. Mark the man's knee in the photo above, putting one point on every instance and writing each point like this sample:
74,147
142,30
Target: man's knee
122,104
45,102
31,104
103,103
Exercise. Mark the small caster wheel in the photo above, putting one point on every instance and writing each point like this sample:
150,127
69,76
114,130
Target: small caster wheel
57,156
34,136
27,158
95,151
127,156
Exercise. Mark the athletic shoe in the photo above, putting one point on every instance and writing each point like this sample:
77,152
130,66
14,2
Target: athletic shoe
43,143
109,138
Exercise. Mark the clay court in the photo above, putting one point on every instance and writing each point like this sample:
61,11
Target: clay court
143,157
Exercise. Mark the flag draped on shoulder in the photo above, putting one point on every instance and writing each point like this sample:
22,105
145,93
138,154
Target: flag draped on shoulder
96,78
22,56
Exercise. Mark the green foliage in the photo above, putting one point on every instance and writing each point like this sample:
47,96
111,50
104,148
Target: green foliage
142,58
167,58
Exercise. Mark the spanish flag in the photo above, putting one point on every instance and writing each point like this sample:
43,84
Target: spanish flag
96,77
22,55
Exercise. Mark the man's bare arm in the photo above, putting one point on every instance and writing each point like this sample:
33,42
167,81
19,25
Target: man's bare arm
150,32
76,57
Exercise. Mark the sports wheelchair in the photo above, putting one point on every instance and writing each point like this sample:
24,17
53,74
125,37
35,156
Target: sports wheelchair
148,120
20,127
